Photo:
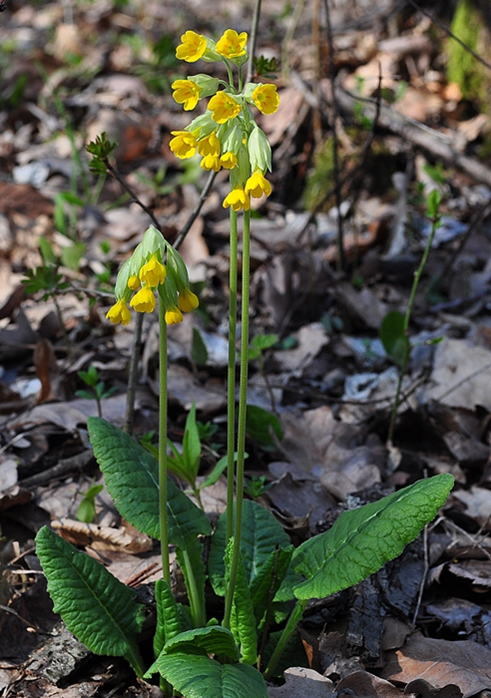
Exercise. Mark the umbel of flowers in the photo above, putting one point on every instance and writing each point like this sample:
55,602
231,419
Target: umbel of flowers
226,135
154,267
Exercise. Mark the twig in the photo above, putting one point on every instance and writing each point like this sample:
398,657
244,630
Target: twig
424,575
335,142
358,168
61,469
254,28
285,47
434,142
112,170
476,219
195,212
450,33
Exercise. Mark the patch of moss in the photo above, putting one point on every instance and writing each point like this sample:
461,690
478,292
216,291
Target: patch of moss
472,77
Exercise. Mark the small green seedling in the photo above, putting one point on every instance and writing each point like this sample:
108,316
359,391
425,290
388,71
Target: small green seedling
86,511
98,391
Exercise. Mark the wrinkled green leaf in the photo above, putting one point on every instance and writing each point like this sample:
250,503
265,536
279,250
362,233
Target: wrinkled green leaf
131,476
242,619
168,620
198,676
212,640
261,533
99,609
364,539
268,580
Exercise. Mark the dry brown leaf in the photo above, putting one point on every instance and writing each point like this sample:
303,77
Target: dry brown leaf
461,375
426,665
478,504
102,537
301,682
47,371
361,684
334,451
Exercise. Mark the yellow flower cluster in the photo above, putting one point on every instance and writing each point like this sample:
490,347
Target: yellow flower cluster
145,274
226,135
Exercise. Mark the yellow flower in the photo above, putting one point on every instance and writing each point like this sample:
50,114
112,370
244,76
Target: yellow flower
144,300
210,162
183,145
134,283
187,301
257,185
187,93
192,48
119,313
153,273
173,316
228,160
237,199
266,98
231,44
223,107
210,145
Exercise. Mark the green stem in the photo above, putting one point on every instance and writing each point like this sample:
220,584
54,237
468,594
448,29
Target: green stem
407,318
290,626
135,659
241,428
232,331
195,596
164,533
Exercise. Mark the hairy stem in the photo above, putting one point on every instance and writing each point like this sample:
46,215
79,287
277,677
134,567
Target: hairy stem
232,331
241,427
164,533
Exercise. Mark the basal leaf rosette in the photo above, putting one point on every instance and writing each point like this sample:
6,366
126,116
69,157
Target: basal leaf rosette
145,274
226,136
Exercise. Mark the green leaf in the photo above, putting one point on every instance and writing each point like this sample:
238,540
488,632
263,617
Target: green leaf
261,533
242,619
433,203
212,640
198,676
71,256
393,337
47,252
218,469
168,620
259,423
131,475
268,580
364,539
199,352
260,343
99,609
190,561
191,445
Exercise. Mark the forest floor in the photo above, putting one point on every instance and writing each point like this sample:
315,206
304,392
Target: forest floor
327,380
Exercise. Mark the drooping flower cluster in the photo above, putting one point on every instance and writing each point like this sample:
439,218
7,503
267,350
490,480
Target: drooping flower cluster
226,135
144,274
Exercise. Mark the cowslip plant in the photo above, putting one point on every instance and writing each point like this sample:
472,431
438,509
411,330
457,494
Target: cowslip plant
264,582
394,329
